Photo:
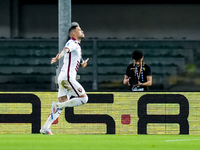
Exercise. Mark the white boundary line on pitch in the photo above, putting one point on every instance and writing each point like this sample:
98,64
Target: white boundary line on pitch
182,140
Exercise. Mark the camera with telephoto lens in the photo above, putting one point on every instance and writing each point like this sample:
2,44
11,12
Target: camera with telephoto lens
133,81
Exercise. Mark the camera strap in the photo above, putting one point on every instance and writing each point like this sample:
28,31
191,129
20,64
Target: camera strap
138,74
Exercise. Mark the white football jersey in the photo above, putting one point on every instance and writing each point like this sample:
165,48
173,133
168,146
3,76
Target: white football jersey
72,59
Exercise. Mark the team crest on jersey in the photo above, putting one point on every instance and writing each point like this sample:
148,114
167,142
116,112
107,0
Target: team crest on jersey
79,89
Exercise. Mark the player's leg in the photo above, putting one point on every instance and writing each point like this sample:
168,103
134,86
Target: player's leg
51,118
55,112
46,127
75,101
73,88
76,90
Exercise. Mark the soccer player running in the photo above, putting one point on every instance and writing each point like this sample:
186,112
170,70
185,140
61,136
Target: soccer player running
68,86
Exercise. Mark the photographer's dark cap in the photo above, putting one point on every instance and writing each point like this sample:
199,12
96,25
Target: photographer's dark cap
137,54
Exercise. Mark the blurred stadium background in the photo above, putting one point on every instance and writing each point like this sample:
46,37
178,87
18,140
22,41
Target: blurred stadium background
168,34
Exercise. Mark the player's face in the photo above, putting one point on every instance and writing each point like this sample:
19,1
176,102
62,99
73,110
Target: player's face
138,62
79,33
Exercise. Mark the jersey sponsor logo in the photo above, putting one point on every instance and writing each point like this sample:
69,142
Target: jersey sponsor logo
68,44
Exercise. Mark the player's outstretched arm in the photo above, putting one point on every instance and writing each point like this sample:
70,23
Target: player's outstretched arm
60,55
53,60
84,63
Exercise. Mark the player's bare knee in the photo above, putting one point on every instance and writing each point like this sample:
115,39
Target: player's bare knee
62,99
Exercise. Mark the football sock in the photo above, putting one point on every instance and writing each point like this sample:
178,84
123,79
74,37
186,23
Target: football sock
50,120
76,101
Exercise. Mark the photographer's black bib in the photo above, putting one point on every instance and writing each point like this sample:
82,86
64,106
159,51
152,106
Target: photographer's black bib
134,74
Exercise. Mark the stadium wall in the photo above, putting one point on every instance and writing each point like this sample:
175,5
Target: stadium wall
35,19
105,113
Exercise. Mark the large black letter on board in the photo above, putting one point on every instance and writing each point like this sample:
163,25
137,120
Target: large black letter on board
181,118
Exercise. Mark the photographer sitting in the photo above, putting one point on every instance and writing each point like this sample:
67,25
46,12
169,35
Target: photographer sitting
138,74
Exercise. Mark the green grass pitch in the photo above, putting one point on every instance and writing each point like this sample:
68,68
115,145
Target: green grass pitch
98,142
